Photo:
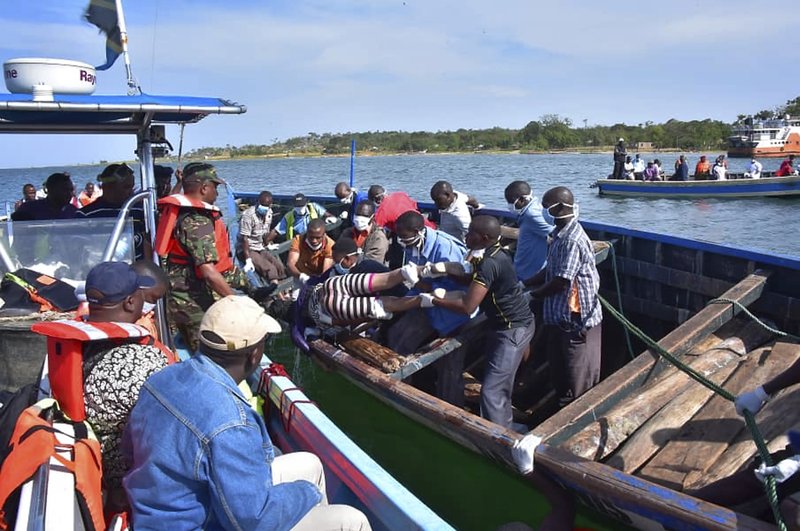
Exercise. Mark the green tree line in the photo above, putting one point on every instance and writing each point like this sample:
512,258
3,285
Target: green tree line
549,132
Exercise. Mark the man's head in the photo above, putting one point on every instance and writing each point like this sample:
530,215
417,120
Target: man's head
376,193
682,158
118,182
265,199
29,192
300,202
442,194
59,189
233,332
146,268
346,254
702,158
638,157
200,181
628,158
114,292
518,193
365,211
315,234
621,140
560,203
410,229
163,178
484,231
344,193
89,188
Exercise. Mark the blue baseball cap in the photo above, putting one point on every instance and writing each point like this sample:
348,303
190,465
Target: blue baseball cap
111,282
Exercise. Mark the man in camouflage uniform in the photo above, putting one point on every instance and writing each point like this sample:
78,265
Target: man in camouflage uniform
198,263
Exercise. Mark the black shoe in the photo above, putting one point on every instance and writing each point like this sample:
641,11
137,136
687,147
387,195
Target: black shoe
262,293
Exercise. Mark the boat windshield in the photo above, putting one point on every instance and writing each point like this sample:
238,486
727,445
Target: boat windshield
66,248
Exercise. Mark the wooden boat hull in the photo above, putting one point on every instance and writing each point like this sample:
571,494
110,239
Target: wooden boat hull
667,280
766,187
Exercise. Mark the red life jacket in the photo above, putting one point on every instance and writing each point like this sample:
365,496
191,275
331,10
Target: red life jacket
34,442
66,342
167,245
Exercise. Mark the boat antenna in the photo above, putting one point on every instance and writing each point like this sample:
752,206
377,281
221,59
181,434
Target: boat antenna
133,86
180,145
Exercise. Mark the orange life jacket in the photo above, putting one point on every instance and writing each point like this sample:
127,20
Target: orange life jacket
171,208
34,442
66,342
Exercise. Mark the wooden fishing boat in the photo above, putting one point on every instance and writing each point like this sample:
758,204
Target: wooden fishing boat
637,443
48,499
764,187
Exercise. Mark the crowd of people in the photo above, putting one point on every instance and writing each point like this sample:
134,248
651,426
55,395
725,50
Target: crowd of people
636,169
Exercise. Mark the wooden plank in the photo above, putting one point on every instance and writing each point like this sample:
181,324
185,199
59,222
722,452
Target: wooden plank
607,432
594,483
648,307
371,352
778,416
701,441
694,282
604,395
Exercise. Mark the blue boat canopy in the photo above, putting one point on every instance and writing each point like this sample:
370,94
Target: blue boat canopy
71,113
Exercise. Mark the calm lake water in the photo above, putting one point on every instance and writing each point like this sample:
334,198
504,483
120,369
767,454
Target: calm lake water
468,490
764,224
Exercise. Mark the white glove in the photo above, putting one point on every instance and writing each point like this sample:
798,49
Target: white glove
410,274
248,266
440,293
436,270
344,214
468,269
751,401
303,278
781,472
272,246
331,219
426,300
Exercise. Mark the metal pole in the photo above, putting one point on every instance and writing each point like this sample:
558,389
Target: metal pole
111,246
133,86
352,162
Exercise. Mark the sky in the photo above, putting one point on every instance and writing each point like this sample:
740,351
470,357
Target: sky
337,66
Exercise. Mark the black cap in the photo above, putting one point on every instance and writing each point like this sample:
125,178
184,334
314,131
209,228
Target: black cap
300,200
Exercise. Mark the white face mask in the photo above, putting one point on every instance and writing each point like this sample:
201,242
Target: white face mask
414,242
148,307
513,206
575,209
476,254
301,211
316,247
361,223
346,200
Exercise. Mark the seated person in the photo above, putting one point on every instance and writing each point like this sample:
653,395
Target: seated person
225,474
369,237
349,196
56,205
454,209
311,254
376,193
146,268
296,221
627,169
89,193
28,195
651,172
703,169
254,226
114,371
719,171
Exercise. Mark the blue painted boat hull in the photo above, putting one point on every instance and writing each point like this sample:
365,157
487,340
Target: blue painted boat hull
767,187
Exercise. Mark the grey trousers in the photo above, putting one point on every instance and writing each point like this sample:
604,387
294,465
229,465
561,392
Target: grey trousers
503,356
574,359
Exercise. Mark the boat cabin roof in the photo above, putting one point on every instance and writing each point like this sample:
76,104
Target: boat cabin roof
70,113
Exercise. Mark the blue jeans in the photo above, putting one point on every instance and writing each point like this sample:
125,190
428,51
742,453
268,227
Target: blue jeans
504,354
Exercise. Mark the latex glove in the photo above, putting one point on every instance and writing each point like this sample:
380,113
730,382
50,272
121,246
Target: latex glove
436,270
426,300
248,266
781,471
272,246
440,293
303,278
331,219
751,401
344,214
410,274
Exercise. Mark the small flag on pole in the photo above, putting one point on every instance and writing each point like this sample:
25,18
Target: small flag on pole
103,14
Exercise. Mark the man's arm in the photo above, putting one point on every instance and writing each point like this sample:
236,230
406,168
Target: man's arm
556,285
467,303
215,280
535,280
291,263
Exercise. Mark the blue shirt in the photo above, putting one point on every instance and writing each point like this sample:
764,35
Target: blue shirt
359,197
201,457
299,223
531,254
440,247
682,172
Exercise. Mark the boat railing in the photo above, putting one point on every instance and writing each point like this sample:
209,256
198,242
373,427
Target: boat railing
119,226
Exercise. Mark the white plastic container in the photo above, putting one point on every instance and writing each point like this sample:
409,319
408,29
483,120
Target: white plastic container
62,75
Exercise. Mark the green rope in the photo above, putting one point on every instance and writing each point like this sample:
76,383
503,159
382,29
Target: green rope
613,253
743,308
770,484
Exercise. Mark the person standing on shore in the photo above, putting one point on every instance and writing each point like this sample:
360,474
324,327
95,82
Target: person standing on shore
619,159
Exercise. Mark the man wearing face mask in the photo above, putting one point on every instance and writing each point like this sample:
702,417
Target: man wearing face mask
296,221
311,254
568,286
424,245
253,227
367,235
531,253
453,206
349,196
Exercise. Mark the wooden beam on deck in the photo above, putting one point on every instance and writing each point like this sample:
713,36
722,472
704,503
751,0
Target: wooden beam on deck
605,394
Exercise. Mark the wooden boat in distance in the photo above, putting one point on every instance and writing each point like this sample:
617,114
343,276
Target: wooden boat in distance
764,187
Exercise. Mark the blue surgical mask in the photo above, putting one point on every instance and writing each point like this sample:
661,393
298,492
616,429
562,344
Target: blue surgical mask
340,269
262,210
548,217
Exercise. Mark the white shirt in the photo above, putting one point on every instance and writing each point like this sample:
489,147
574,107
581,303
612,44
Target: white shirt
719,172
755,169
638,165
455,219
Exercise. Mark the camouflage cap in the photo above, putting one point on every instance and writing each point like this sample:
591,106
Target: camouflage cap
201,171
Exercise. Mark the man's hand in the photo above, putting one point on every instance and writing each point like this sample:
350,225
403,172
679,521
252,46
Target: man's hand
410,273
303,278
781,471
331,219
248,266
751,401
344,214
426,300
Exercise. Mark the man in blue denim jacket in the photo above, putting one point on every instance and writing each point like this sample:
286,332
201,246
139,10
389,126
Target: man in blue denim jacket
200,454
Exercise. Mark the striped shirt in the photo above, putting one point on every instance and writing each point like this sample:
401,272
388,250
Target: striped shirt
253,227
571,257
